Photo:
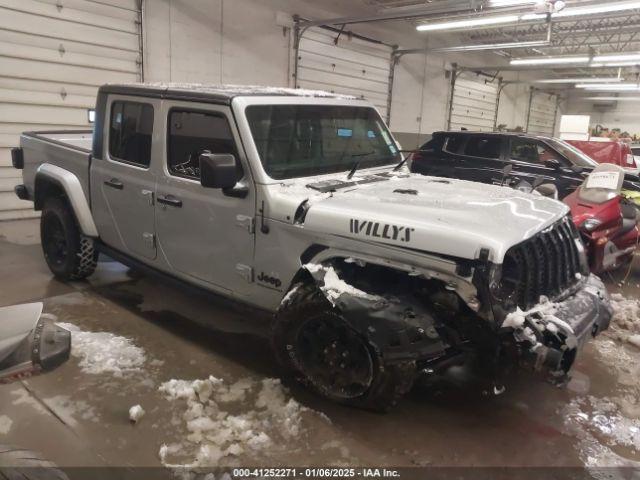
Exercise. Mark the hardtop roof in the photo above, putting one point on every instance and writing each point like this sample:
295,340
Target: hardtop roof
213,93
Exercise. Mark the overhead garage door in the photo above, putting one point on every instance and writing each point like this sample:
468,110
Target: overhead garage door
473,105
53,56
542,113
352,66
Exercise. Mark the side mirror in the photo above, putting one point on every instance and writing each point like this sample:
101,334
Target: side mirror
552,163
218,170
548,190
577,168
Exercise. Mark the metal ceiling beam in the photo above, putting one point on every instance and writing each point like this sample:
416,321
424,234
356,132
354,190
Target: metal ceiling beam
445,7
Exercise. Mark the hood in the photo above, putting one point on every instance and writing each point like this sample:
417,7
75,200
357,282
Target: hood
444,216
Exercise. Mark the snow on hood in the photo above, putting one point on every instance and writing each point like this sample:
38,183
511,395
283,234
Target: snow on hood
445,216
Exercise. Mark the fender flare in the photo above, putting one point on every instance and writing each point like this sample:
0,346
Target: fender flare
72,187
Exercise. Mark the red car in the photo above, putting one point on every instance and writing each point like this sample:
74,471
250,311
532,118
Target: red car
609,151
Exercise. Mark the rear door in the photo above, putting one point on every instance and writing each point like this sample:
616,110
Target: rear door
122,182
480,159
203,233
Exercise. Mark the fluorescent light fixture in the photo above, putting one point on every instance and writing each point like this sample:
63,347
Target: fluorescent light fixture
622,87
548,60
471,22
604,7
510,3
613,99
618,57
581,80
614,64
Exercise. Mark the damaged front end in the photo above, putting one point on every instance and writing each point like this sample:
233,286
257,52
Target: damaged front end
548,337
30,342
411,317
405,316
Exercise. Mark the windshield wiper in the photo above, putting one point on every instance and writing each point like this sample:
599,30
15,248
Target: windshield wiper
356,164
404,160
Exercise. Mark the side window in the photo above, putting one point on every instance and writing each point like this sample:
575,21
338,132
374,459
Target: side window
455,143
530,151
130,132
193,133
485,147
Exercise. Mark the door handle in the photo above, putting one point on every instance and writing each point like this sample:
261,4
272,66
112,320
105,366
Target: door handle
114,183
170,200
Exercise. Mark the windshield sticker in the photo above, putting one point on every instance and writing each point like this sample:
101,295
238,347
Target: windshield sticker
392,149
345,132
371,134
608,180
380,230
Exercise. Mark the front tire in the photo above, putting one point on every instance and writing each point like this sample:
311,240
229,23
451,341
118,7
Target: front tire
69,254
316,345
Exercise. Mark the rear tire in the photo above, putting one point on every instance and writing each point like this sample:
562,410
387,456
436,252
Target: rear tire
19,464
69,254
310,339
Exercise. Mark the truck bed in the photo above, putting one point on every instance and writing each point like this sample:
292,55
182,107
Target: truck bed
69,149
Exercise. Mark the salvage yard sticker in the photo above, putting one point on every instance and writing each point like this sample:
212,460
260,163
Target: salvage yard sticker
608,180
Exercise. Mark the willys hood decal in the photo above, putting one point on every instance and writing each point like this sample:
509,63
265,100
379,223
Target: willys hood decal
444,216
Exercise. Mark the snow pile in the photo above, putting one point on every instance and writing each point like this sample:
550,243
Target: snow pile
334,286
103,352
5,424
136,413
226,421
626,319
602,428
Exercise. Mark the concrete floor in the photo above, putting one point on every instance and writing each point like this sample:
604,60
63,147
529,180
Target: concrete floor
80,419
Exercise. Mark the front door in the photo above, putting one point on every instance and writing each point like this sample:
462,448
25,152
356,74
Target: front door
204,233
531,160
122,183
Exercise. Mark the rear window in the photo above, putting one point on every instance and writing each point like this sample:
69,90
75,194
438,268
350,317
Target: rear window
485,147
130,132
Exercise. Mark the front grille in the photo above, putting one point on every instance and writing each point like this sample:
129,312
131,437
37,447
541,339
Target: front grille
546,264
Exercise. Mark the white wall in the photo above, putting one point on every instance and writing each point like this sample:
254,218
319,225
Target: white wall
239,41
623,115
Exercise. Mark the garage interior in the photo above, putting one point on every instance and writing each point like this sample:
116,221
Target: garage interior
426,66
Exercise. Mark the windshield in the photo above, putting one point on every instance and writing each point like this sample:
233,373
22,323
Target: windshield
574,155
305,140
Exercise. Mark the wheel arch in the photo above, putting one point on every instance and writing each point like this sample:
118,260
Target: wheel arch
51,180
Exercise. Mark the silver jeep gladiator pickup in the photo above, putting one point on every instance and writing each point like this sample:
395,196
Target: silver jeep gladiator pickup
297,204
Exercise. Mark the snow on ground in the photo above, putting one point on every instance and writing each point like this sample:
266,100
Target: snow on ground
136,413
226,421
603,431
5,424
625,324
104,352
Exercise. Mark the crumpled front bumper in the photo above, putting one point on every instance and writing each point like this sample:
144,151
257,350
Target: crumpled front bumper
562,328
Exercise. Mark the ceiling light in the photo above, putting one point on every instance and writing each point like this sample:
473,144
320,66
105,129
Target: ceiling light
471,22
509,3
581,80
548,60
596,9
614,64
618,57
622,87
613,99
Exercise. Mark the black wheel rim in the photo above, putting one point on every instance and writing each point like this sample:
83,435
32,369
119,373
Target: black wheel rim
55,246
334,358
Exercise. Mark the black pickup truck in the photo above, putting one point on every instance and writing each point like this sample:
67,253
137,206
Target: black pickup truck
481,157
